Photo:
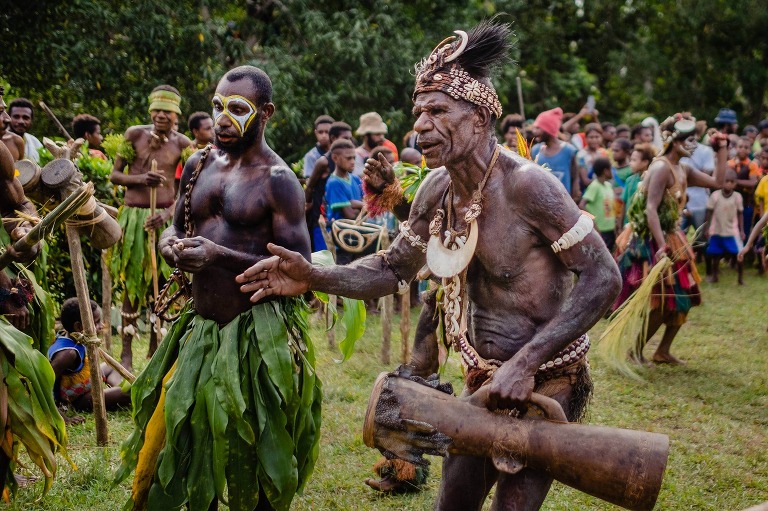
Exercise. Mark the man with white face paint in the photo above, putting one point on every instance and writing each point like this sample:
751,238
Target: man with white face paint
240,386
130,261
653,231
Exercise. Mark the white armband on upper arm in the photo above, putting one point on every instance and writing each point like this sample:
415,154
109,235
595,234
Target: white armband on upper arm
578,232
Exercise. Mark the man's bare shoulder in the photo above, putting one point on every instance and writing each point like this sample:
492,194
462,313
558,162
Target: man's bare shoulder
180,139
135,132
525,180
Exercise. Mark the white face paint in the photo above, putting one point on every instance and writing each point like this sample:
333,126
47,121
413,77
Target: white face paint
239,110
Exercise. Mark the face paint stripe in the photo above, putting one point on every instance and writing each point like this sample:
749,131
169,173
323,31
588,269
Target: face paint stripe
241,122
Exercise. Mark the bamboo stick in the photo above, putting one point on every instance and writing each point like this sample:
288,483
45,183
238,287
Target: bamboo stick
89,329
49,222
154,320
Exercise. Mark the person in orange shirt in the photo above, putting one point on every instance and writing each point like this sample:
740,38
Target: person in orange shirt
747,175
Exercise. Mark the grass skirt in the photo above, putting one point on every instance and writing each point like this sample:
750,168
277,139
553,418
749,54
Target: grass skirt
237,409
41,308
129,261
678,289
27,408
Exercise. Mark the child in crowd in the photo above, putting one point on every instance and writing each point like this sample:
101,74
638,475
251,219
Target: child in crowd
72,385
594,149
621,150
747,176
598,200
639,161
726,225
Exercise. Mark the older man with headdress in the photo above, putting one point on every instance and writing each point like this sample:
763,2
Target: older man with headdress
512,306
653,232
157,149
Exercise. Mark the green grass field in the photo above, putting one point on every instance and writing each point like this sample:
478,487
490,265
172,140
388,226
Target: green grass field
715,411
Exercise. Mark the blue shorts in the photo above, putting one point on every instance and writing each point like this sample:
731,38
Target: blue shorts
318,241
721,245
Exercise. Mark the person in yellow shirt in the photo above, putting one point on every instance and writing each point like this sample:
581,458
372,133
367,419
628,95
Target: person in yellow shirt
761,192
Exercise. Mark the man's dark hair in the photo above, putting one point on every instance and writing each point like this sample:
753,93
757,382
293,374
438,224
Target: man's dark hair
324,119
607,124
84,124
637,130
195,119
167,88
340,144
337,128
512,121
601,165
22,103
258,78
70,313
749,128
624,144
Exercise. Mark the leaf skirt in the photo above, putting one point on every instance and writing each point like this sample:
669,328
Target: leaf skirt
229,413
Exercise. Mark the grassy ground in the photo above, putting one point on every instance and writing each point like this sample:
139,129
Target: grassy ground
715,411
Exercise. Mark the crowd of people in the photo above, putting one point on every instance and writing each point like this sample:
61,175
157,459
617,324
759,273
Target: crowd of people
248,233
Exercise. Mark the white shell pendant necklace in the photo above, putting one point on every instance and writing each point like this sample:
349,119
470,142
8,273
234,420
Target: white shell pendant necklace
448,259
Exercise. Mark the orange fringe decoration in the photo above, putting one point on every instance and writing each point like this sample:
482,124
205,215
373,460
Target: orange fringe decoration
403,470
379,202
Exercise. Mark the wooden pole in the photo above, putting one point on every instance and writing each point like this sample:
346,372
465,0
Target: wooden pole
331,246
520,96
405,327
387,304
106,301
89,329
117,366
55,120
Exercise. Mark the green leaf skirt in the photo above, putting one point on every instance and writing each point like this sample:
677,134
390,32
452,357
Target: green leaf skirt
241,410
129,261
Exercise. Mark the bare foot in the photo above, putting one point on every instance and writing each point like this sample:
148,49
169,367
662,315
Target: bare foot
667,358
24,481
75,419
386,485
711,279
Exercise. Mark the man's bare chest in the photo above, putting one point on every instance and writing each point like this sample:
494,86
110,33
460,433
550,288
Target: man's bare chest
237,199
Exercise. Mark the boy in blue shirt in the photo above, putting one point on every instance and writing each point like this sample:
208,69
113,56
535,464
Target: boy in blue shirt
344,190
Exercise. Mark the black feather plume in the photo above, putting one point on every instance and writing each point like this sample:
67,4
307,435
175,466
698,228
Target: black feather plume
489,45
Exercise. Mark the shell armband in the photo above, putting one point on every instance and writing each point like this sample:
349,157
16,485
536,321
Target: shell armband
578,232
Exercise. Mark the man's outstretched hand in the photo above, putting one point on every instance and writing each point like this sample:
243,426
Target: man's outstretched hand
285,274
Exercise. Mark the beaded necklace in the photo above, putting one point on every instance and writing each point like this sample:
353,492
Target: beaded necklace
449,259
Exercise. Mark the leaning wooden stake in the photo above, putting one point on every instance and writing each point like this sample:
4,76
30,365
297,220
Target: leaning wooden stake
117,366
106,300
89,330
405,327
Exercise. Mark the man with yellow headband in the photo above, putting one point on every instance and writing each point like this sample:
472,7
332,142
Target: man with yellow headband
524,273
235,382
130,263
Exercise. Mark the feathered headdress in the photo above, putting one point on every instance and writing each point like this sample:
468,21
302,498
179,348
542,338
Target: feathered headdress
461,65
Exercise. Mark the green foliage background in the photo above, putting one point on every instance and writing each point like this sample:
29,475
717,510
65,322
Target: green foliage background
346,57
